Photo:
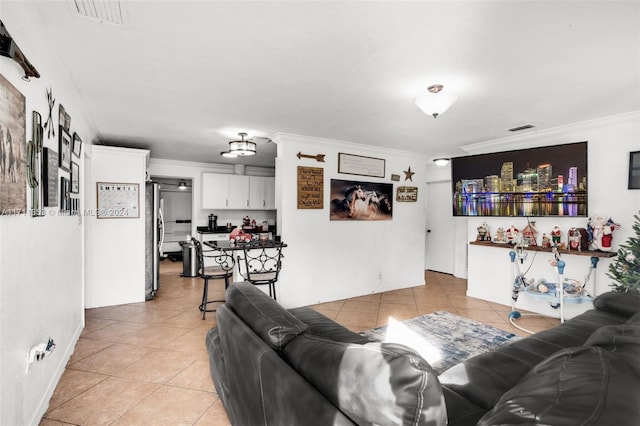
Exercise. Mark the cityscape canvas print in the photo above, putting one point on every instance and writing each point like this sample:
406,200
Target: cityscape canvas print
545,181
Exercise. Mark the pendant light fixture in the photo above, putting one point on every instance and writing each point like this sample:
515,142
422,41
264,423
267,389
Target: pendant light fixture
241,148
435,103
182,185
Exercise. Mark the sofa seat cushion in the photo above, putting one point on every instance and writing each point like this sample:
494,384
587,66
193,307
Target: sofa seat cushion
320,325
270,321
596,384
375,383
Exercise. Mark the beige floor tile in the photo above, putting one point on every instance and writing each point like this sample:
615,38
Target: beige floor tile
214,416
370,298
470,303
154,315
195,376
94,324
118,312
329,306
481,315
112,359
116,332
169,405
87,347
192,341
329,313
73,383
104,403
155,336
401,298
157,366
359,306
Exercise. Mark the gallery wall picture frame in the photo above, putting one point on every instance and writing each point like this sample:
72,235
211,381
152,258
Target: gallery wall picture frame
360,165
64,119
76,147
118,200
634,170
75,177
13,167
65,204
49,177
64,149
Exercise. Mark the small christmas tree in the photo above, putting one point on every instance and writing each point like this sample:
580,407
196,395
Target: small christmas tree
625,270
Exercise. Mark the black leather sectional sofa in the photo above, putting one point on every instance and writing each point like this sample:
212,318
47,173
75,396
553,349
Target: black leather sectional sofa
273,366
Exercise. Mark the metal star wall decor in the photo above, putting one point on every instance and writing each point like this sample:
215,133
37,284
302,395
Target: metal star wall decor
408,174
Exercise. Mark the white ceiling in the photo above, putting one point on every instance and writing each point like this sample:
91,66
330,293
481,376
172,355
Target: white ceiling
183,78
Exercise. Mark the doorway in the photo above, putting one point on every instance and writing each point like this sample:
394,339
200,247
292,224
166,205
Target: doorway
176,206
440,231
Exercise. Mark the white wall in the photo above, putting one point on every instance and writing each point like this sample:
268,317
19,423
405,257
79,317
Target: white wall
609,140
330,260
191,170
41,259
115,259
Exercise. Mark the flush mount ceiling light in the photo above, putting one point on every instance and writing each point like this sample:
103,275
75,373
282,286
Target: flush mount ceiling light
240,148
435,103
182,185
441,162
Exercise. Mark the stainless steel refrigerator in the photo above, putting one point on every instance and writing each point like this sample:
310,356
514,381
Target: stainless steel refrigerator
154,236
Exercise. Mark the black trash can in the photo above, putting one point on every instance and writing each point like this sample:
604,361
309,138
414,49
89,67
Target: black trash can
189,259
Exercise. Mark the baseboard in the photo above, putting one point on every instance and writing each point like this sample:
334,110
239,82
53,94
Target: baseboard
43,405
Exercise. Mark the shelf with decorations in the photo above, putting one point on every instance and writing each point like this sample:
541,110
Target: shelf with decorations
591,253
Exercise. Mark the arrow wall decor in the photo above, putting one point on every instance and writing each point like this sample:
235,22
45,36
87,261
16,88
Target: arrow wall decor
319,157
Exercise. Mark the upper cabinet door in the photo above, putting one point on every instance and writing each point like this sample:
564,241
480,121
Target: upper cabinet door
215,190
262,193
238,194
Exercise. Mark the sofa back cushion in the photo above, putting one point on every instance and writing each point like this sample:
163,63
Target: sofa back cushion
373,383
270,321
625,304
596,384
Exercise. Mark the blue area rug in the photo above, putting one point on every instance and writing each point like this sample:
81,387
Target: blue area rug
442,338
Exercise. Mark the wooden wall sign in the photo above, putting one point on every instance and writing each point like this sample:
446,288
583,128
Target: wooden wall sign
310,187
407,194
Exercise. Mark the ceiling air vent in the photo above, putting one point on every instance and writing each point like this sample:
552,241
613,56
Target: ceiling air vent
525,127
103,11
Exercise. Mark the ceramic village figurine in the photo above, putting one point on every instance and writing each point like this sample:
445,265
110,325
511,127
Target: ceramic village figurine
483,232
546,241
556,233
573,239
600,229
530,235
500,237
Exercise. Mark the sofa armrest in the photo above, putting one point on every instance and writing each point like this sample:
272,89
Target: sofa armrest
624,304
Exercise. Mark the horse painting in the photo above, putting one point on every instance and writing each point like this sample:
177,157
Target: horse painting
360,201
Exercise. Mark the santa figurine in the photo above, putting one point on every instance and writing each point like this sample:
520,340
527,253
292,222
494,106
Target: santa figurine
555,235
600,230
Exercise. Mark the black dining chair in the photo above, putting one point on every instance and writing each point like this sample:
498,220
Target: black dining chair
221,267
262,265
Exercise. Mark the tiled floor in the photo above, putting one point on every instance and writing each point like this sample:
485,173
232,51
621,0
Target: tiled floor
146,363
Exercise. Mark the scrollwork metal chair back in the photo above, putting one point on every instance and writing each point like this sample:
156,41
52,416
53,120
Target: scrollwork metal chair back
263,265
221,268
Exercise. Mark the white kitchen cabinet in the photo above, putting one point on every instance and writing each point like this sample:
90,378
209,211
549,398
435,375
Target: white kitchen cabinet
225,191
262,192
238,192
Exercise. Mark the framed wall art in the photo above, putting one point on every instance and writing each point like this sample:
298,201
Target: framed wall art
118,200
360,165
75,178
49,177
634,170
76,145
13,165
352,200
64,149
65,200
